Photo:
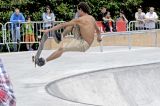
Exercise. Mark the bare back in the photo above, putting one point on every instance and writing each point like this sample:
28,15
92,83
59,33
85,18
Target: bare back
87,28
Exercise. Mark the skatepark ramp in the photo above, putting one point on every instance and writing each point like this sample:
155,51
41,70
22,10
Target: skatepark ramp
122,86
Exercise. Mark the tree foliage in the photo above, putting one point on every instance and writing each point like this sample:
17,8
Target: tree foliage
65,9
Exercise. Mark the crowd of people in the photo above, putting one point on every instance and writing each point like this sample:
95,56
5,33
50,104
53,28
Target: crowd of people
111,25
144,21
17,18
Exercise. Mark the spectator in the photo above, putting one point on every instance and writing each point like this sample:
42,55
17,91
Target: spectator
102,13
108,22
121,22
16,18
7,97
100,22
29,34
140,18
151,19
48,18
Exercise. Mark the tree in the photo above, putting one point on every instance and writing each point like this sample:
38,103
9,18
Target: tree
65,9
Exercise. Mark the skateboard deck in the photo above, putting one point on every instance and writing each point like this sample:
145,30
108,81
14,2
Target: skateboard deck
40,48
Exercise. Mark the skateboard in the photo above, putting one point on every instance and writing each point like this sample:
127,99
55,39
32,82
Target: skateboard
36,59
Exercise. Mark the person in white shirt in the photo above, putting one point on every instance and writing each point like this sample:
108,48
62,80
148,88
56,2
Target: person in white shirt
151,19
48,18
140,18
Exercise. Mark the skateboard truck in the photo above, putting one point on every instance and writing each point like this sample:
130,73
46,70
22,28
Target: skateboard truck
33,60
40,61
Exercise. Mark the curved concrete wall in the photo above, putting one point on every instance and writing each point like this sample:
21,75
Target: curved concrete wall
125,86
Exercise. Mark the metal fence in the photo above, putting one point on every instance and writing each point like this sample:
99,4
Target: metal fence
130,37
136,25
2,36
15,33
124,33
8,32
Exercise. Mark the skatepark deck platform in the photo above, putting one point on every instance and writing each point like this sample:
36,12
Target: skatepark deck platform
115,77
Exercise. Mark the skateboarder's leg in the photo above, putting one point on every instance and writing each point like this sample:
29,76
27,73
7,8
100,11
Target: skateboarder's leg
55,54
41,61
58,52
77,45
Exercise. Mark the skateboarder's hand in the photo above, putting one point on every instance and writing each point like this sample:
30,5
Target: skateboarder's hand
99,39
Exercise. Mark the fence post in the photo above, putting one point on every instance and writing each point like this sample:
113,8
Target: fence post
5,37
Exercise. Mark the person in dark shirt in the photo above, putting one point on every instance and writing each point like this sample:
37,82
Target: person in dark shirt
101,16
102,13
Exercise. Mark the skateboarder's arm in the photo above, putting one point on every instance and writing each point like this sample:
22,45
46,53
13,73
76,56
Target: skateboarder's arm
97,29
65,24
99,38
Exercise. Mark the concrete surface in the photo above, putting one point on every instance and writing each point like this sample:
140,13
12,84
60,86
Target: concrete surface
127,86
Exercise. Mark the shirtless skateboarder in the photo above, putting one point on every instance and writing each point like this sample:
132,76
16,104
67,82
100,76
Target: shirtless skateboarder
83,29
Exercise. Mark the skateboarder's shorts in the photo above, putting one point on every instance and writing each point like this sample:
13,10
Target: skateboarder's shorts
77,45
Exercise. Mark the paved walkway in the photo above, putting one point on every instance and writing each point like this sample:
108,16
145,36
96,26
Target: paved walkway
29,82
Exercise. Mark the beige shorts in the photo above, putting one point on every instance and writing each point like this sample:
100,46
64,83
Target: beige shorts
77,45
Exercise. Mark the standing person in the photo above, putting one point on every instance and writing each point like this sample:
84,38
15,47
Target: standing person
48,18
83,29
121,22
7,97
16,18
140,18
29,34
151,19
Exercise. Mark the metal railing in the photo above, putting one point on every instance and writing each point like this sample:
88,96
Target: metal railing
124,33
7,32
2,36
136,25
129,34
15,33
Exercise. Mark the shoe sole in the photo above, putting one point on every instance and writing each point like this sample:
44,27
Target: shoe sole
57,37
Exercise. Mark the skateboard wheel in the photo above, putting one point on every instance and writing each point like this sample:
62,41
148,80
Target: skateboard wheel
41,62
